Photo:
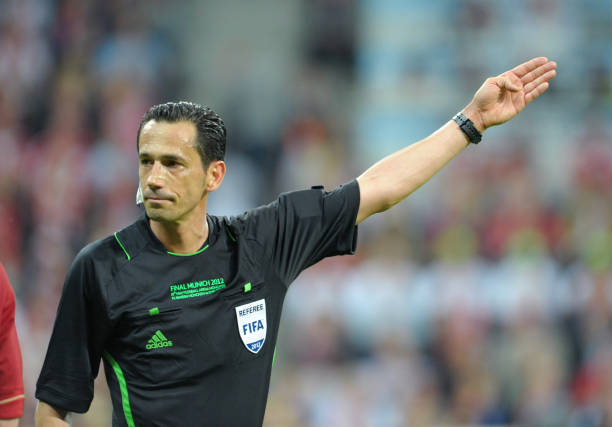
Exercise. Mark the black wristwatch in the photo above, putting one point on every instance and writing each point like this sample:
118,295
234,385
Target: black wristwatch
467,126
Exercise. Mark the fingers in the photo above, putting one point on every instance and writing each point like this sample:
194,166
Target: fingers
539,90
535,75
541,70
538,81
526,67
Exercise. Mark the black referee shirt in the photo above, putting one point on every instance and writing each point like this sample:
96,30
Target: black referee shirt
188,340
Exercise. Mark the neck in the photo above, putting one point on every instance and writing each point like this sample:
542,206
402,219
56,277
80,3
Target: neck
185,236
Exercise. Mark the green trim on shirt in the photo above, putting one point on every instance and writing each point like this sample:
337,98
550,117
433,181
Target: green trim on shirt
194,253
125,400
122,247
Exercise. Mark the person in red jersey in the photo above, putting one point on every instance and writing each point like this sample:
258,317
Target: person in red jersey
11,378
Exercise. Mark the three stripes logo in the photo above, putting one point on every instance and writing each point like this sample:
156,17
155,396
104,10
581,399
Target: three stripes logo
158,340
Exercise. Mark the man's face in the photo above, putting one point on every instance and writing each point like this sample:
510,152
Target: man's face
172,178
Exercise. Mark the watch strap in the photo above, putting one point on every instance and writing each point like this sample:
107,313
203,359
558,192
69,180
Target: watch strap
467,126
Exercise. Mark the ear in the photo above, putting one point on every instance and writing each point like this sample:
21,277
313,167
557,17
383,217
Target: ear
214,175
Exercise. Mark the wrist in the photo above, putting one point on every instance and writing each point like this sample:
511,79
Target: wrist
474,115
466,125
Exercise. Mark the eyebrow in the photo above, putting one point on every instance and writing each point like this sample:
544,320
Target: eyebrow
163,157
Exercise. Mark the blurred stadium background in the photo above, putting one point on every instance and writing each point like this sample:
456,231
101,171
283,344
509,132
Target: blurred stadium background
484,299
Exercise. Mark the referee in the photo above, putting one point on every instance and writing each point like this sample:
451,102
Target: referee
183,307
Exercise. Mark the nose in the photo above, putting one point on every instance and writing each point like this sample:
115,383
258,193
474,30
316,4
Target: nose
155,179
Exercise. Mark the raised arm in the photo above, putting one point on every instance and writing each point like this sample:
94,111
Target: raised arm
498,100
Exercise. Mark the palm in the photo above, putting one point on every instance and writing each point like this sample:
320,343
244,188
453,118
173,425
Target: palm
501,98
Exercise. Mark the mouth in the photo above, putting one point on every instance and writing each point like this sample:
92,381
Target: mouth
156,200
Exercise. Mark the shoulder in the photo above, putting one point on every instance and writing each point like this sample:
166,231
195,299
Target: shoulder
96,259
293,207
301,201
104,257
4,281
239,225
99,250
7,295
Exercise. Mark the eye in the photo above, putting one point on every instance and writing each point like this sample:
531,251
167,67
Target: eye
144,161
171,163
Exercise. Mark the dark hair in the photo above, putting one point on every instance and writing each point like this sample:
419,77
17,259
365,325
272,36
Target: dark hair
212,135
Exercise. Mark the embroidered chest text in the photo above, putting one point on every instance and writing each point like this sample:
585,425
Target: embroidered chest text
196,289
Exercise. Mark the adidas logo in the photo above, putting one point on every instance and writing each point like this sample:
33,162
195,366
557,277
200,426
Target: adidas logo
158,340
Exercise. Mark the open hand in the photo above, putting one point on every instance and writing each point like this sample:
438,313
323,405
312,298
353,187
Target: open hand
501,98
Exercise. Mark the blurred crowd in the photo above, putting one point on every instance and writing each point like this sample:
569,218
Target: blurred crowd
484,299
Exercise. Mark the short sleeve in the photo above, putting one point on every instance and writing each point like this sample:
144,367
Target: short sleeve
300,228
11,369
79,333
